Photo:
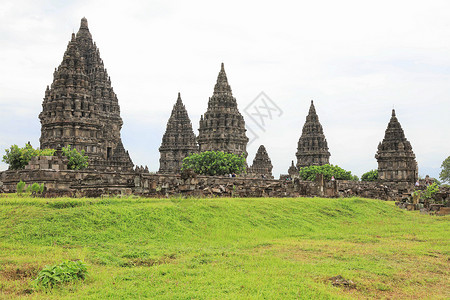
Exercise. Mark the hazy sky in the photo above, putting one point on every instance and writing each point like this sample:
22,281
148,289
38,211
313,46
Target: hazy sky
356,60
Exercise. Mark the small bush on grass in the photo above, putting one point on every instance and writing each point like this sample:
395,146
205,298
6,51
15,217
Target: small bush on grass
20,187
64,272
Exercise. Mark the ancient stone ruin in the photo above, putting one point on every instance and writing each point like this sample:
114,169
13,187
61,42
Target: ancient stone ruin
262,166
312,147
222,127
178,141
396,160
81,109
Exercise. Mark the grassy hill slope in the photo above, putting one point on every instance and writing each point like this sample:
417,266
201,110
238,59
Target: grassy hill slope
224,248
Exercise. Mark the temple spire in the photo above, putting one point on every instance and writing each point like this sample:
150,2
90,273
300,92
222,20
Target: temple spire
262,166
178,141
84,24
222,85
222,127
396,160
312,146
312,109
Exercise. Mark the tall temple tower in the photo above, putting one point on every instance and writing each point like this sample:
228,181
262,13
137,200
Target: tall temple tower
222,127
81,109
262,164
178,141
312,147
396,160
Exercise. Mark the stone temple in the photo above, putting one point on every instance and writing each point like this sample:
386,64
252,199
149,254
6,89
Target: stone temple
261,164
178,141
81,109
396,160
312,147
222,127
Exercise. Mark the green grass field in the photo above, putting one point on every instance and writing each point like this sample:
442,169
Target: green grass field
260,248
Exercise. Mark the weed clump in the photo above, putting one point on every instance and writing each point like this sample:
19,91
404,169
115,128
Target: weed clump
66,271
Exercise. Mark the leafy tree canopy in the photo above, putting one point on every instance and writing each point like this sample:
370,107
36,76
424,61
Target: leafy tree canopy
372,175
310,173
214,163
445,170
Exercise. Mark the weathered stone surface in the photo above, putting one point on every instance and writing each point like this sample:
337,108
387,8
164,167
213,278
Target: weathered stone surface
178,141
81,109
312,147
222,127
262,166
396,160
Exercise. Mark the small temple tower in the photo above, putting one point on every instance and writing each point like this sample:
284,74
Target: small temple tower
261,164
312,147
222,127
292,171
396,160
178,141
81,109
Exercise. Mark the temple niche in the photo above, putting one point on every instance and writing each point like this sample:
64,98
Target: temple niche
81,109
396,160
222,127
262,165
178,141
312,147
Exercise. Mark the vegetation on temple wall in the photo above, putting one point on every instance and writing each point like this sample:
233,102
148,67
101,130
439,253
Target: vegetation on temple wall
445,170
328,171
77,160
214,163
372,175
17,158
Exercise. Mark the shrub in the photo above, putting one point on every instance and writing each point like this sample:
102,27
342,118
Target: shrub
66,271
20,187
372,175
310,173
37,188
77,160
214,163
17,158
430,192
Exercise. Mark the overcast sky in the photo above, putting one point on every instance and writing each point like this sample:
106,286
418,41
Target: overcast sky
356,59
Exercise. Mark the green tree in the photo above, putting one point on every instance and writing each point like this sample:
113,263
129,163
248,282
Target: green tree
445,170
328,171
77,160
372,175
214,163
17,158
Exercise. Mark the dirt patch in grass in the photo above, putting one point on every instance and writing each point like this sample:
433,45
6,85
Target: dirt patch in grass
14,276
149,262
22,272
